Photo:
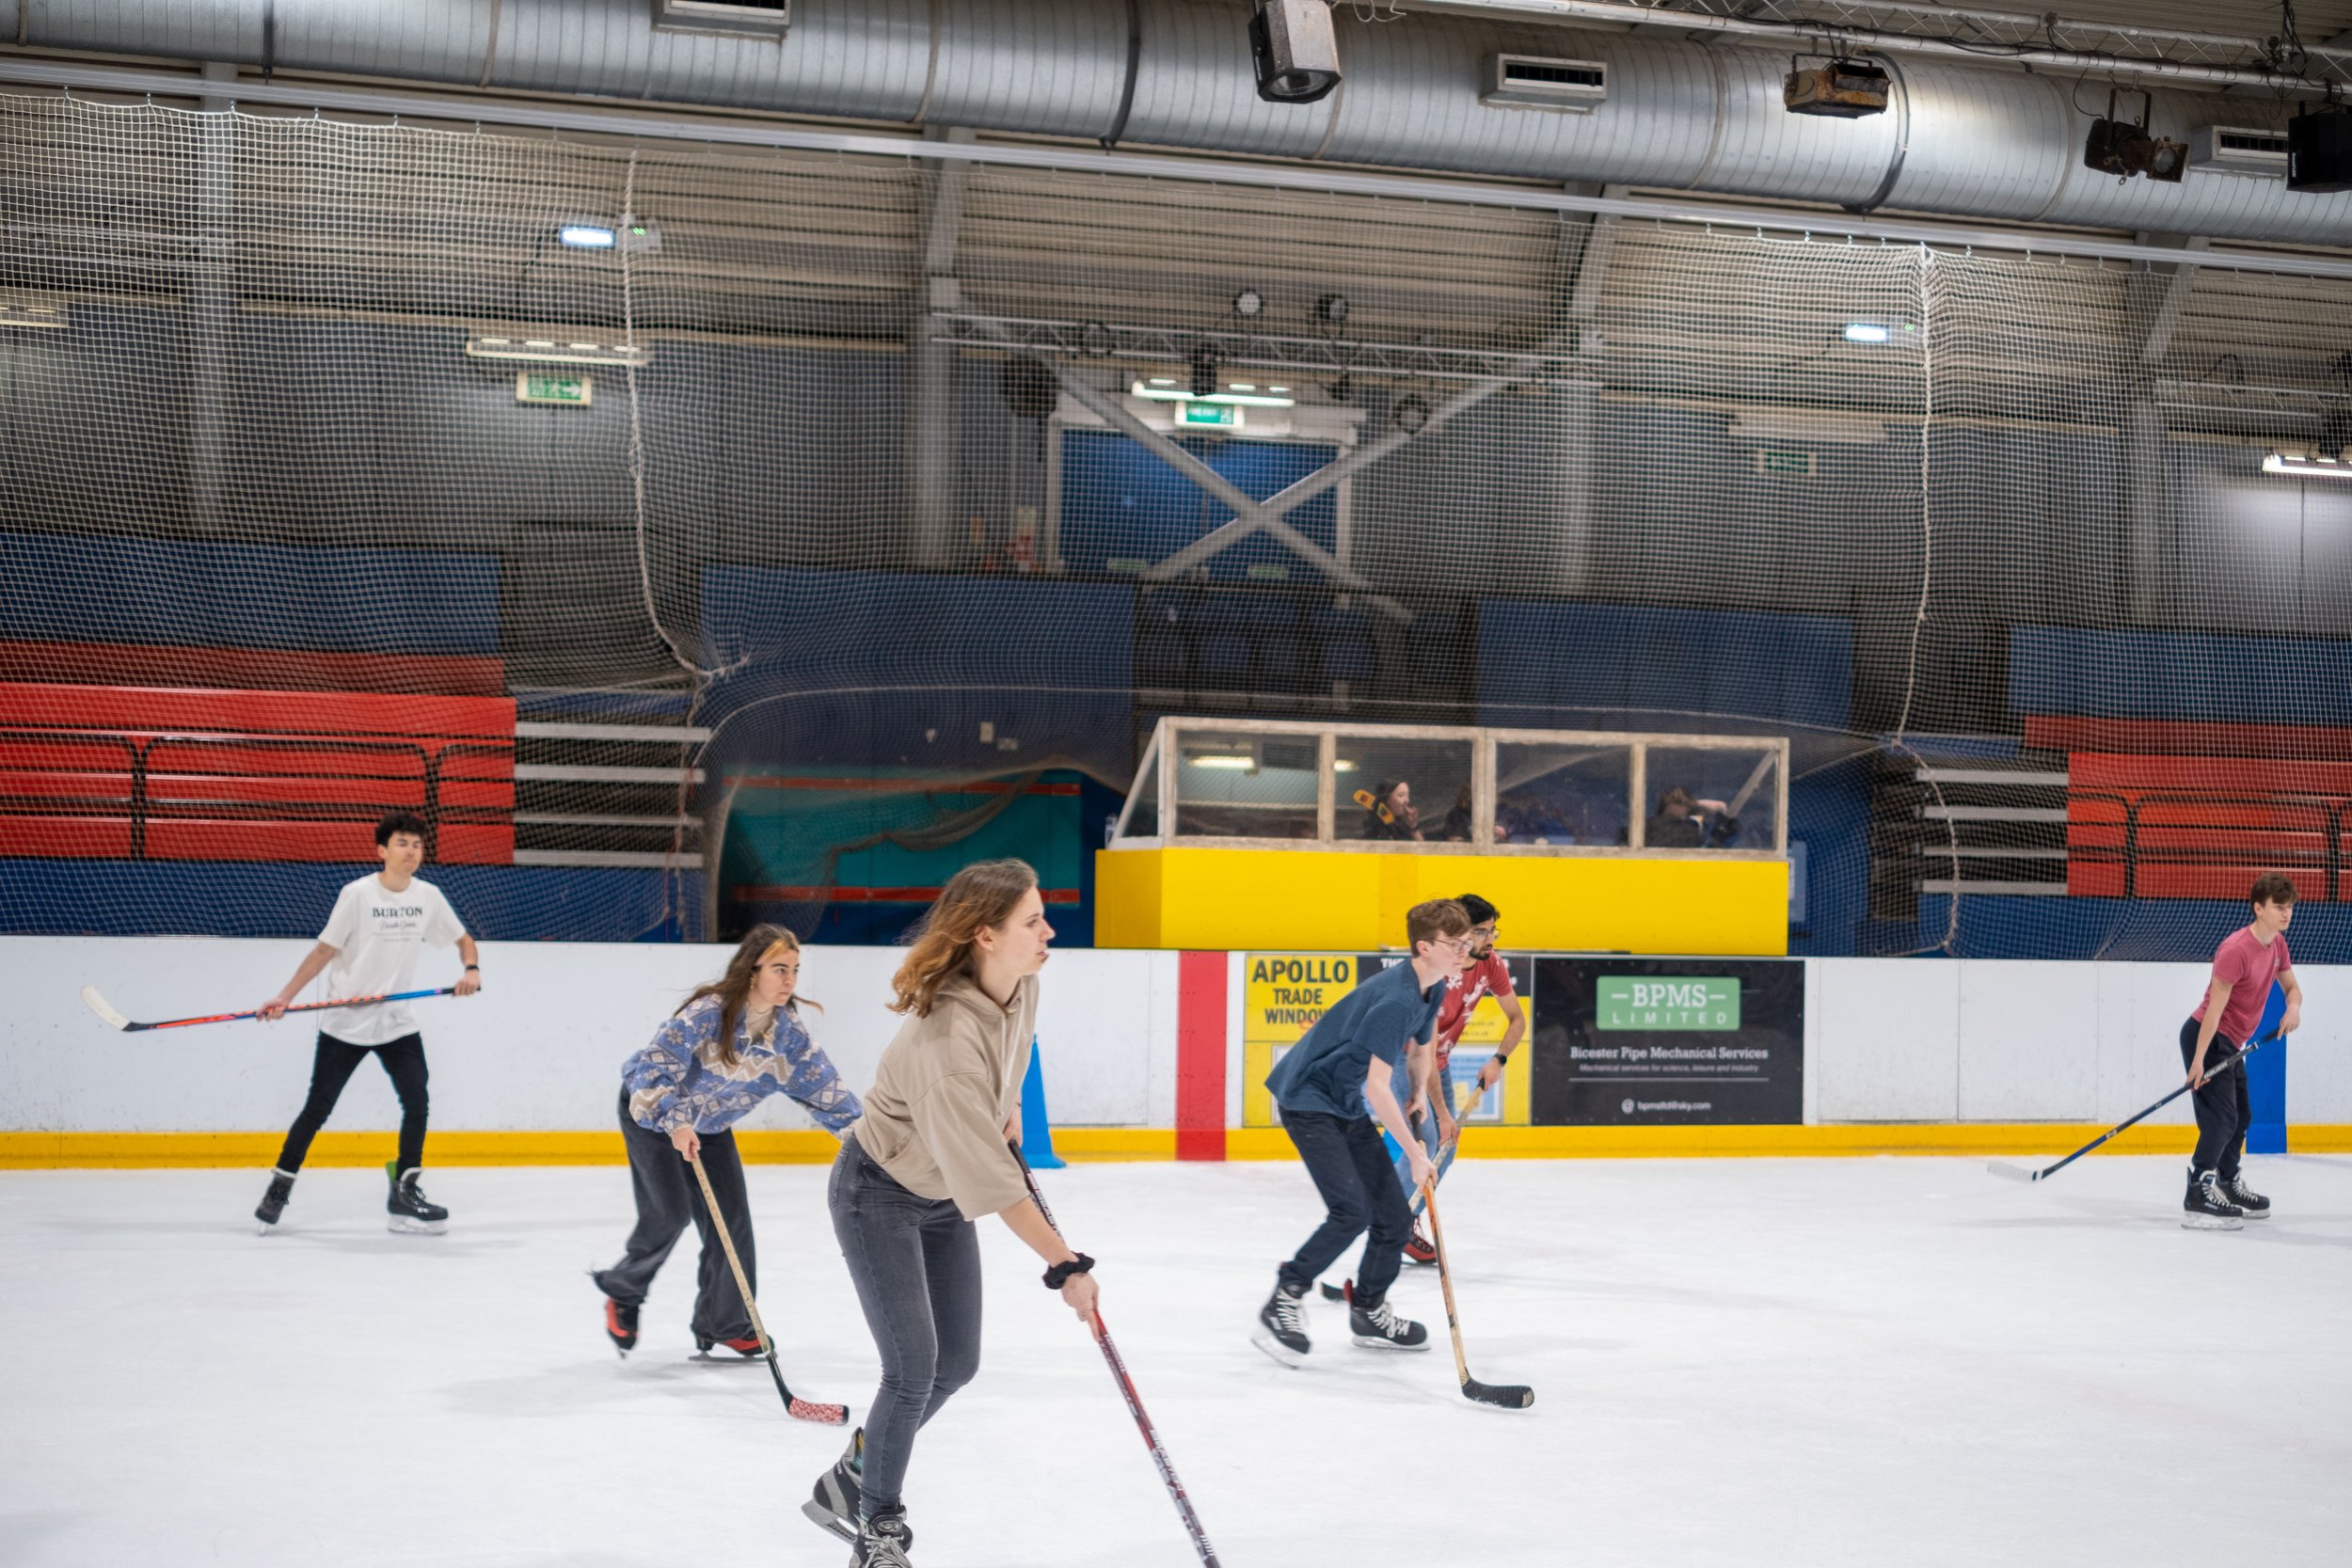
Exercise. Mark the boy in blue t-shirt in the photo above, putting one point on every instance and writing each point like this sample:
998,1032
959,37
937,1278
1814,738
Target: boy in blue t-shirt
1323,1084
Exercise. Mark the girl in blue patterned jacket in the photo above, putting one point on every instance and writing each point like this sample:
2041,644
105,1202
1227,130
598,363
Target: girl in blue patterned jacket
734,1043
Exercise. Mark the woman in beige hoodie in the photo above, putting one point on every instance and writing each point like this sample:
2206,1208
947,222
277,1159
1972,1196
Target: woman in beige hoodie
932,1153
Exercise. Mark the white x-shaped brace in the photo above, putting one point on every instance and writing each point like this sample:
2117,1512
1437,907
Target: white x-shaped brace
1250,515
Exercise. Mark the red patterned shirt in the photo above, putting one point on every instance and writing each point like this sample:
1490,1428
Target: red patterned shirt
1462,996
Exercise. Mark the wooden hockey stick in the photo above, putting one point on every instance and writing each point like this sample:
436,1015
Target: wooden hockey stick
800,1409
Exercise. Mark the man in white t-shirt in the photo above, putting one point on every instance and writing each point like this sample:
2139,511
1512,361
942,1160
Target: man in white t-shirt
379,925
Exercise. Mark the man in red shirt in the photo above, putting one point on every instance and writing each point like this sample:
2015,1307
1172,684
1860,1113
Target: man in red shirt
1487,976
2244,968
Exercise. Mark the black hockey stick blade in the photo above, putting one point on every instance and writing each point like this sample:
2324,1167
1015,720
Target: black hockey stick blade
2019,1173
1509,1396
1333,1293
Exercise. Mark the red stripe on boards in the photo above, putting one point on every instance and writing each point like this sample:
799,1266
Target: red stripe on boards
1200,1055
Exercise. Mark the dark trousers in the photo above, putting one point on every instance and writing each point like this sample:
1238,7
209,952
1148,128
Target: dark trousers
915,1262
2223,1112
667,1198
1350,1167
331,1067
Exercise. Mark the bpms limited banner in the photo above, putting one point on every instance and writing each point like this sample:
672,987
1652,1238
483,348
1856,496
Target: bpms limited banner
1656,1041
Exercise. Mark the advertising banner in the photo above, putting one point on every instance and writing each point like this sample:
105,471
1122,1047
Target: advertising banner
1662,1041
1283,994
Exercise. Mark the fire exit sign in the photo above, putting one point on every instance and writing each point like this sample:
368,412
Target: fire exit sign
577,391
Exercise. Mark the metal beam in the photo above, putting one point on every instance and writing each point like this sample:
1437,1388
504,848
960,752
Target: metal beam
2167,313
933,421
675,123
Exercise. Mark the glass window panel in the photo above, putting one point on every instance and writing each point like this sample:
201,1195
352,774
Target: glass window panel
1232,783
1143,821
1554,792
1426,785
1711,798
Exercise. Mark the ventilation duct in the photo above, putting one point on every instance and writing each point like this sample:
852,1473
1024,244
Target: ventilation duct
1982,143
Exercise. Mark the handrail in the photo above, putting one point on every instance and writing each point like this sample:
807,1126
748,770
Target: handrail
140,767
2329,807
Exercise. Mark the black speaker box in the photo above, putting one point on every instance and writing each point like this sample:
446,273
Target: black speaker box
2319,153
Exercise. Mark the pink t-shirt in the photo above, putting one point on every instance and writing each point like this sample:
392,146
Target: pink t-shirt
2249,968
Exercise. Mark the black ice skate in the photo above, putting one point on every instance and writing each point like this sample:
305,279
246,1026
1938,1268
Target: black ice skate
1283,1327
2235,1190
835,1504
620,1324
274,1200
883,1541
1378,1327
2205,1209
409,1210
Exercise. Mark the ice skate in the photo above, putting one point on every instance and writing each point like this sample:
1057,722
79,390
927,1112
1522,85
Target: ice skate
2205,1209
837,1498
620,1324
411,1212
1283,1327
1419,1251
1378,1327
883,1541
747,1349
2235,1190
274,1200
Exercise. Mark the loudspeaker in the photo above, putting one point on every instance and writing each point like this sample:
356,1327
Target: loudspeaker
1297,53
2319,153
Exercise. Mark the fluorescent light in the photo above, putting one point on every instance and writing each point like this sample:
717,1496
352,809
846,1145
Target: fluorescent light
1343,765
1240,387
25,312
1867,332
1162,392
554,351
1241,763
2306,468
1163,381
586,236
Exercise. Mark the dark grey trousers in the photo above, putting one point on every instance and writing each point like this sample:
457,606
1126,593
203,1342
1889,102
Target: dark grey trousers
668,1197
915,1262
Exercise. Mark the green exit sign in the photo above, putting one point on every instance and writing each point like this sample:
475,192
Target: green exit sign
1780,463
576,391
1675,1001
1224,414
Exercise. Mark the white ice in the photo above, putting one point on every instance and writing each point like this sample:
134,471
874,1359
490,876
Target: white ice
1736,1362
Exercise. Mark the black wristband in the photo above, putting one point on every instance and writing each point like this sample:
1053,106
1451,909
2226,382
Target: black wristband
473,968
1059,1275
1502,1060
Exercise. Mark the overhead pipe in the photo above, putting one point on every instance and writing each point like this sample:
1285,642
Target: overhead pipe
1968,142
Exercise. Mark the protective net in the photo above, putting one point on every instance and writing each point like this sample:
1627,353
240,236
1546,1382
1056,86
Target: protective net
788,536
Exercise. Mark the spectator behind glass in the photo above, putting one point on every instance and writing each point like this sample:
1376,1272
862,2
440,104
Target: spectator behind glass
1391,814
1456,827
1676,826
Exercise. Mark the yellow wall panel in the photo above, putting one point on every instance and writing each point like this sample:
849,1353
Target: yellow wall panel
1355,901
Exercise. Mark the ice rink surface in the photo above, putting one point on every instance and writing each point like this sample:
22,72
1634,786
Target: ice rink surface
1736,1362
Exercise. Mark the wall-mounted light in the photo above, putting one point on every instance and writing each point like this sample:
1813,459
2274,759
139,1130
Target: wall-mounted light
1868,332
587,236
35,310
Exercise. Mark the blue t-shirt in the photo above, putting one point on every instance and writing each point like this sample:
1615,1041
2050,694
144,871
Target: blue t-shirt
1324,1072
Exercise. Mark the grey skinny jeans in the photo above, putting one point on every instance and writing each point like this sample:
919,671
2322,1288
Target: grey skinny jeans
915,1262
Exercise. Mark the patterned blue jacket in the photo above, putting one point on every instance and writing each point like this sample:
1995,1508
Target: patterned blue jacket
678,1078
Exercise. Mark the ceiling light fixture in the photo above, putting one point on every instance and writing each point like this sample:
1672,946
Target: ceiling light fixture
586,236
2297,467
1239,394
1868,332
553,348
2124,146
1843,89
38,314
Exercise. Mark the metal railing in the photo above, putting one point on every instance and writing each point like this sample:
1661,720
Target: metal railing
145,758
2242,843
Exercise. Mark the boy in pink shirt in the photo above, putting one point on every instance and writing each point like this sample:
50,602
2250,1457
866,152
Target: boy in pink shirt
2244,967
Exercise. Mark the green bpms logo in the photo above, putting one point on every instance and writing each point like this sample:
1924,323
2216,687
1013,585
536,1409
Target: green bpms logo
1667,1002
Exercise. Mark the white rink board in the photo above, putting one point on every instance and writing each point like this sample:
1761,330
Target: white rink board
1889,1039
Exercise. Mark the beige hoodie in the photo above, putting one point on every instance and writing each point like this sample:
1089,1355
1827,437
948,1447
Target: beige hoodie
948,1083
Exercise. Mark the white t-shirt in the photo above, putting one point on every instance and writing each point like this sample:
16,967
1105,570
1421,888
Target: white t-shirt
376,935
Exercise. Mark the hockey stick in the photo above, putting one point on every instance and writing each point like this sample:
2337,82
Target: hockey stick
1509,1396
1446,1149
2020,1173
800,1409
1127,1389
114,1018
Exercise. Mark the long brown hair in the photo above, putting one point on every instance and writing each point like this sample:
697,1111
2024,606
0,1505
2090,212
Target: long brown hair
734,987
982,894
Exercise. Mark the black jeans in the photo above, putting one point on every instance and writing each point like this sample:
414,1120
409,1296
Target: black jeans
2223,1111
331,1067
1350,1167
667,1198
915,1262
